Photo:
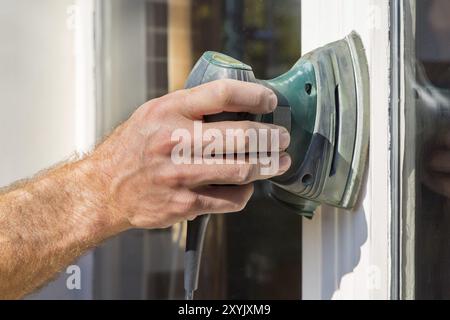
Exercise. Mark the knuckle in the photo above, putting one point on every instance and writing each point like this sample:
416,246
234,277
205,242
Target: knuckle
245,197
249,191
243,173
166,141
159,178
187,99
162,142
158,109
238,206
192,217
154,108
179,177
223,91
170,177
189,203
260,96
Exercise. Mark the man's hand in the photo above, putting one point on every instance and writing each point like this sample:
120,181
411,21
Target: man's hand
129,181
148,190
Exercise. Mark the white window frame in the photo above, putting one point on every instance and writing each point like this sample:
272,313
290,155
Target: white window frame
350,255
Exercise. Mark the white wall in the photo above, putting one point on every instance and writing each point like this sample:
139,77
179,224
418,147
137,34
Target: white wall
38,98
346,255
37,88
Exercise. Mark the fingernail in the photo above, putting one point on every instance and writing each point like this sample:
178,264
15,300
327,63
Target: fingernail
285,163
285,139
273,101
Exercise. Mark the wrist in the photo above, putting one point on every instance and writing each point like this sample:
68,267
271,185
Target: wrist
93,199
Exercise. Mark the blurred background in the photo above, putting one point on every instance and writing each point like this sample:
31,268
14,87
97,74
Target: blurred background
72,70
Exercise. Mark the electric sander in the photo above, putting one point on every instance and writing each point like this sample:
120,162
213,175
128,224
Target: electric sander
324,102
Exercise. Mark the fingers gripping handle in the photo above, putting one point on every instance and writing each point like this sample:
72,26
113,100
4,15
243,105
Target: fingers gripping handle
211,66
215,66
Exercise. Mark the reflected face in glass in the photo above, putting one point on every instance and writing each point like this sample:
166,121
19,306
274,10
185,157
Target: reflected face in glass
434,92
437,30
426,172
437,172
438,16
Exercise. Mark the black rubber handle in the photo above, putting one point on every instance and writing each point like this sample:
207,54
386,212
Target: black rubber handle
194,247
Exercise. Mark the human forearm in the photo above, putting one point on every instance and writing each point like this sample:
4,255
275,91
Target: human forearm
132,181
48,222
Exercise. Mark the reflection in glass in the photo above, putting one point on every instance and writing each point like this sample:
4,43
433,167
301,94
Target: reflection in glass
430,105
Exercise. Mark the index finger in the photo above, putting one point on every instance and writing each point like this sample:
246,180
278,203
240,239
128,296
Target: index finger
226,96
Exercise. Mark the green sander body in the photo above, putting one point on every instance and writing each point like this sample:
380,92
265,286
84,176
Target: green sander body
324,102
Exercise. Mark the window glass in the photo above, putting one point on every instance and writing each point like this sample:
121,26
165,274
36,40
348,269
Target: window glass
426,163
252,255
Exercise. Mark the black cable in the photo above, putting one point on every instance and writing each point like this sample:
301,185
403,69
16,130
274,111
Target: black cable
196,231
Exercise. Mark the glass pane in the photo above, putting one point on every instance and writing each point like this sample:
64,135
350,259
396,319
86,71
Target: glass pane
426,163
252,255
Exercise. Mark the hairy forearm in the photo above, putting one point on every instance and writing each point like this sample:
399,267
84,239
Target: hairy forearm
49,221
129,181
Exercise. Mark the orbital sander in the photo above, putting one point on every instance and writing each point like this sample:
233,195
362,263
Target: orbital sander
323,101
